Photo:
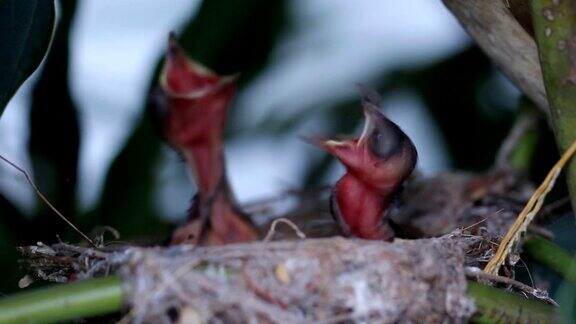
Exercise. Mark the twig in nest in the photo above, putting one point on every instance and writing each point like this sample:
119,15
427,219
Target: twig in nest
528,213
476,273
286,221
45,200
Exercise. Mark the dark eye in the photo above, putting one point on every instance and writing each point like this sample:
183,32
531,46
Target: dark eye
385,140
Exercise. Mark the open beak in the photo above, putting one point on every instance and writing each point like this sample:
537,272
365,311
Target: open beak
372,118
381,139
383,153
371,102
182,77
196,102
330,145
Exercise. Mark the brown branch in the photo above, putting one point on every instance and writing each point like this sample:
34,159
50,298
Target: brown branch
46,201
478,274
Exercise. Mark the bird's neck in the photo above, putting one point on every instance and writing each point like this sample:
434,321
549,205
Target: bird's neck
362,209
227,224
206,162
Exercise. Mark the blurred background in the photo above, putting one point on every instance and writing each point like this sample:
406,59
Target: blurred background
80,124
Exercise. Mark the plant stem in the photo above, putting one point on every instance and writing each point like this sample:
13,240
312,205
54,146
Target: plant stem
552,256
63,302
105,295
555,30
497,305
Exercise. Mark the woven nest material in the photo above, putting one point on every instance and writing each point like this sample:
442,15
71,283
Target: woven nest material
314,280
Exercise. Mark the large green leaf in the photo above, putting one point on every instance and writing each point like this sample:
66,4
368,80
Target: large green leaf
25,31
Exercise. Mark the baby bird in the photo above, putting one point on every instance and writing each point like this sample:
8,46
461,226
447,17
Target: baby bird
193,105
376,165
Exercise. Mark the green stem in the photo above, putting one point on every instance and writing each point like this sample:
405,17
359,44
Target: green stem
552,256
63,302
555,29
498,306
104,295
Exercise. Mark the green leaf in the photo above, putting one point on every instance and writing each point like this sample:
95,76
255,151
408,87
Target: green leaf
25,32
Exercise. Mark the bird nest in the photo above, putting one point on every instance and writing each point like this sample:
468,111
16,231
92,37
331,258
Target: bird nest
298,279
321,280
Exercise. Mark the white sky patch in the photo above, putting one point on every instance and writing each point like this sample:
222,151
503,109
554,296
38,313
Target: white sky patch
175,187
340,43
264,167
13,146
116,45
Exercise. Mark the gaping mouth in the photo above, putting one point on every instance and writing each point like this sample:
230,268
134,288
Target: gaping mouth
329,144
184,78
369,116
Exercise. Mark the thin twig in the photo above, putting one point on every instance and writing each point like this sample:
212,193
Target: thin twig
528,272
475,224
477,273
286,221
46,201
